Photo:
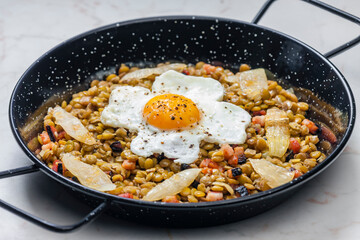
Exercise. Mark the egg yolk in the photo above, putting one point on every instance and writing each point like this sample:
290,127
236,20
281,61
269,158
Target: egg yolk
171,112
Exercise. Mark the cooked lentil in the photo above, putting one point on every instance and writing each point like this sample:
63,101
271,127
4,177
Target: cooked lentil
135,176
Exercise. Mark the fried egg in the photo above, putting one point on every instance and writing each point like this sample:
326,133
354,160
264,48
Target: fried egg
175,116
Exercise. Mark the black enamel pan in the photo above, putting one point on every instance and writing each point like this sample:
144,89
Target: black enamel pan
70,66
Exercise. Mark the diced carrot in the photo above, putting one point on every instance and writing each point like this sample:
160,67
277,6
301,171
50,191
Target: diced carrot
327,134
213,164
45,139
297,174
227,150
238,151
209,68
128,165
311,126
207,164
259,113
258,120
126,195
229,173
294,145
233,161
170,199
214,196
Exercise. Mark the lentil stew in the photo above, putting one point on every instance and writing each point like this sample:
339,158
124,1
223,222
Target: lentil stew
227,170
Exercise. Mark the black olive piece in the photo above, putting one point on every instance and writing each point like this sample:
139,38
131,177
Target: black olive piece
117,68
116,147
50,133
236,172
195,184
111,174
184,166
60,168
290,156
319,130
75,179
242,191
292,169
160,157
242,159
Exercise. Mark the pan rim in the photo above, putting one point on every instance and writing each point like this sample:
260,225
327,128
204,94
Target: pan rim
269,193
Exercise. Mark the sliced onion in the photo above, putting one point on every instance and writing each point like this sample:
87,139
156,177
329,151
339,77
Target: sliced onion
88,175
252,82
72,126
273,174
277,132
146,72
172,185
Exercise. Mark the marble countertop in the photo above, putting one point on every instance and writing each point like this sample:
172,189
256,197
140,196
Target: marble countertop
326,208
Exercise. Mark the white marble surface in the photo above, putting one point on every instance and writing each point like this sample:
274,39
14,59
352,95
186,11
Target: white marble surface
327,208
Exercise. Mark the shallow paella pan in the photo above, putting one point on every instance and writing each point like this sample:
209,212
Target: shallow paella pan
70,66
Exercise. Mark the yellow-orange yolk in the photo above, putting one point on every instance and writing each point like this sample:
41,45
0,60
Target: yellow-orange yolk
171,112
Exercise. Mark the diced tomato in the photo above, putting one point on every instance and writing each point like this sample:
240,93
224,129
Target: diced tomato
329,135
206,170
294,145
227,150
48,146
186,72
54,131
126,195
311,126
128,165
209,68
170,199
61,135
58,167
45,139
214,196
258,120
259,113
297,173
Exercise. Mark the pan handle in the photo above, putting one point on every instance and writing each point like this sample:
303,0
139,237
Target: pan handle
41,222
328,8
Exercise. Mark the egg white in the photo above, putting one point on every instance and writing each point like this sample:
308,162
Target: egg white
221,122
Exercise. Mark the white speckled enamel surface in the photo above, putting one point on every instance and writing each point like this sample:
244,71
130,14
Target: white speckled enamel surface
325,208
